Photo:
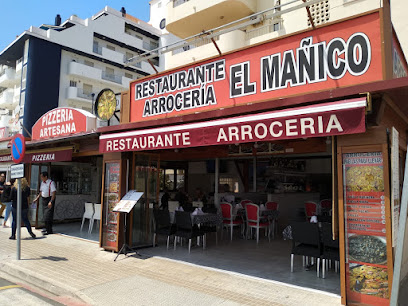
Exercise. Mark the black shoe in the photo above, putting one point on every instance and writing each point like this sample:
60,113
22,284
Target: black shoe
33,235
12,237
45,233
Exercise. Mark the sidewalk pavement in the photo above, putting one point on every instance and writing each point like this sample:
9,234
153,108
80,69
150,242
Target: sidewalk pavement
74,268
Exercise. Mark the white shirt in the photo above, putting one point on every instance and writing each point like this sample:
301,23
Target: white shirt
47,188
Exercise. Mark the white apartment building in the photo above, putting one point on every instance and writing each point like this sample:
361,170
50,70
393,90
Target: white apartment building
260,20
69,63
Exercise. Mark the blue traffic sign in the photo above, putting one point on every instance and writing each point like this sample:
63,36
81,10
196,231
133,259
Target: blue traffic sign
18,148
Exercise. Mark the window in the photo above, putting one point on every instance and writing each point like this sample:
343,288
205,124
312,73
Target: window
89,63
276,26
72,83
110,47
231,182
110,71
154,44
87,89
129,55
172,179
129,75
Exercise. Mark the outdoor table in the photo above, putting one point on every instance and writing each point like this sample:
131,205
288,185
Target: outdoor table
204,218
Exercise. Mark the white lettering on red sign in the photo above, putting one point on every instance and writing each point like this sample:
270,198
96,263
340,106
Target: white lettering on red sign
158,141
57,130
292,127
43,157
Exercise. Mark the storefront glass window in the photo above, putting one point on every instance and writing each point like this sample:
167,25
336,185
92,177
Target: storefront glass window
169,179
72,178
180,178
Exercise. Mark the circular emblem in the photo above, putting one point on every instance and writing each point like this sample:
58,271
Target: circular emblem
105,104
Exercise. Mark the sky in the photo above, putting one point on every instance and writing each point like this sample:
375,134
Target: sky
18,15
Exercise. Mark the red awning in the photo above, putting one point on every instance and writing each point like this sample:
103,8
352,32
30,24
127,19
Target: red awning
48,157
328,119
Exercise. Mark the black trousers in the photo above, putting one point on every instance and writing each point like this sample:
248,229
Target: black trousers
48,214
24,218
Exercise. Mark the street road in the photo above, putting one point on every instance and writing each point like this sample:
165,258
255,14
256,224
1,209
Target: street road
14,294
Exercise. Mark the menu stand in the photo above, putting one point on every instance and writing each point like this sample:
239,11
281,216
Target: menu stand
125,249
125,206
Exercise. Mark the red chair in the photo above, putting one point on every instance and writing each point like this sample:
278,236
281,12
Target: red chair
326,204
244,202
273,206
228,219
310,209
254,220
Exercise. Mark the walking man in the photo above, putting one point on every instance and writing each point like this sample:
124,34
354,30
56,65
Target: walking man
47,194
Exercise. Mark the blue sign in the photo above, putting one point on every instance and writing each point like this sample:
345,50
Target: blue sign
18,148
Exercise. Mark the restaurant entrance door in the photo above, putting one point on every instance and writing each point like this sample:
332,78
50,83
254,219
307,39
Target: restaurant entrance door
146,180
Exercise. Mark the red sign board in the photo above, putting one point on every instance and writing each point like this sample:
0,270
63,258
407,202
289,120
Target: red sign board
5,158
338,55
321,120
47,157
63,121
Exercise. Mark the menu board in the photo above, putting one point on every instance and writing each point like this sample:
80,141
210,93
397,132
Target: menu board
128,201
365,225
111,198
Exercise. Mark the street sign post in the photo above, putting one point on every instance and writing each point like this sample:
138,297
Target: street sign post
17,171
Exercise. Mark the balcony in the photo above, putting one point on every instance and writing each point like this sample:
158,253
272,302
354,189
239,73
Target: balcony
19,64
82,70
111,77
6,99
186,18
8,77
78,95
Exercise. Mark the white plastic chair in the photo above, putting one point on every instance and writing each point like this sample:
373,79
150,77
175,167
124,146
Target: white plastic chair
96,216
88,214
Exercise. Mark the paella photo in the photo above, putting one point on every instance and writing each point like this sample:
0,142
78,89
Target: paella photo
365,178
369,249
369,280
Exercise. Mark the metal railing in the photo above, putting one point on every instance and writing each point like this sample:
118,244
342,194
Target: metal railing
239,24
84,95
196,44
111,77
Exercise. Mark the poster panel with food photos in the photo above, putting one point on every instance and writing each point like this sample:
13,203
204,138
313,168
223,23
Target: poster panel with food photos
365,229
110,226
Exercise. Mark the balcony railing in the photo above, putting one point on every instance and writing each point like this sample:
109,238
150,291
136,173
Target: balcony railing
111,77
179,2
204,41
84,95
